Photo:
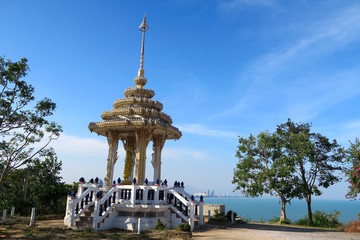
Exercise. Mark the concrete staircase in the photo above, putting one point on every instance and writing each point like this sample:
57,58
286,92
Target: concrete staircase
86,220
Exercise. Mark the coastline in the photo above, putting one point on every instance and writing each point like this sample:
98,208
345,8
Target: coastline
265,208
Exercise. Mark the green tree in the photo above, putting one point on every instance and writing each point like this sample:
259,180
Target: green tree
352,155
317,160
39,185
46,188
291,163
23,124
262,168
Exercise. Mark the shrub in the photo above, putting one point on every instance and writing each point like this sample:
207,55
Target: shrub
185,227
277,220
322,219
353,227
219,215
228,215
160,225
274,220
285,221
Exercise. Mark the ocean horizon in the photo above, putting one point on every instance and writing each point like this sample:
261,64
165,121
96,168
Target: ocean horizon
264,209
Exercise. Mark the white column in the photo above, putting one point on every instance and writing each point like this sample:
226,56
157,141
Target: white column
133,192
12,211
201,213
158,144
3,220
192,212
156,195
139,226
72,212
32,218
113,141
145,195
96,213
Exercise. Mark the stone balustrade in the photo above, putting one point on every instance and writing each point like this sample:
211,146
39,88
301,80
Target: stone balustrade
134,197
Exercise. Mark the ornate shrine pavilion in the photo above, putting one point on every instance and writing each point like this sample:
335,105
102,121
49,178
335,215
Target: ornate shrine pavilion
134,203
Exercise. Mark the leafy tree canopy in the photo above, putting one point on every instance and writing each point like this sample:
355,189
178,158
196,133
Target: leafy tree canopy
38,185
22,123
352,156
292,162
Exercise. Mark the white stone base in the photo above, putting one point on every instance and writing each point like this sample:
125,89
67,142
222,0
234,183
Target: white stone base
126,218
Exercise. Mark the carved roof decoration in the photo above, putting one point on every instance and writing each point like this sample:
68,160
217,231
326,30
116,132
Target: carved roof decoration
136,110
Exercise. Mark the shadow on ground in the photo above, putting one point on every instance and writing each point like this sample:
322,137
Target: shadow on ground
262,226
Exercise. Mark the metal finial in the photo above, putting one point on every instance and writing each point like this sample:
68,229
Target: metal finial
144,28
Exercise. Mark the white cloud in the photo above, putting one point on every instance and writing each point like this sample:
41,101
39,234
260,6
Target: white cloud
199,129
320,38
183,154
84,157
309,97
75,146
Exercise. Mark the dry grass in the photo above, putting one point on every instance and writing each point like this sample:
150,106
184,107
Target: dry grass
19,229
353,227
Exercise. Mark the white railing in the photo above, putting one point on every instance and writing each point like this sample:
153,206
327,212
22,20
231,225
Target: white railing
184,208
103,206
76,206
127,196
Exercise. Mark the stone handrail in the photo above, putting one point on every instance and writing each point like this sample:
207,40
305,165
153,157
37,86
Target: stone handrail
80,204
178,196
181,190
186,208
104,206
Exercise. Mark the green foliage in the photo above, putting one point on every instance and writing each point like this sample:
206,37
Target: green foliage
22,127
219,215
322,219
274,220
185,227
352,155
160,225
42,190
292,162
263,168
229,213
285,221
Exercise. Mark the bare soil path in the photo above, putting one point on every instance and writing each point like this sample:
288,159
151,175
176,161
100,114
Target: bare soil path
254,231
54,229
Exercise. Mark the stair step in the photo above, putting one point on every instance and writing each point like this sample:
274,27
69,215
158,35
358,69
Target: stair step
83,224
88,214
86,218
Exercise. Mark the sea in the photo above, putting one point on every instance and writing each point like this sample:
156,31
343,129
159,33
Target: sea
264,209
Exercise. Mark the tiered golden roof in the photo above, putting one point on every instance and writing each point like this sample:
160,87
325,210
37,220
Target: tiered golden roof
137,110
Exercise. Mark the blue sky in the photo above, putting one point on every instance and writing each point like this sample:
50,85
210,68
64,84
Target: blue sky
222,69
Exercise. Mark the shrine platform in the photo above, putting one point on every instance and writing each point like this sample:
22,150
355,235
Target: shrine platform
131,207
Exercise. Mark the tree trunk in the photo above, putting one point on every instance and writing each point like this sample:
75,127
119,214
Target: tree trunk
283,205
308,201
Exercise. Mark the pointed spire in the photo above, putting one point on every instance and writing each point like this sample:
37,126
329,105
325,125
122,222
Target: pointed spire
140,80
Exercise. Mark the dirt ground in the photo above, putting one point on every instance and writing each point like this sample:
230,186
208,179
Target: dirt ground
254,231
54,229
